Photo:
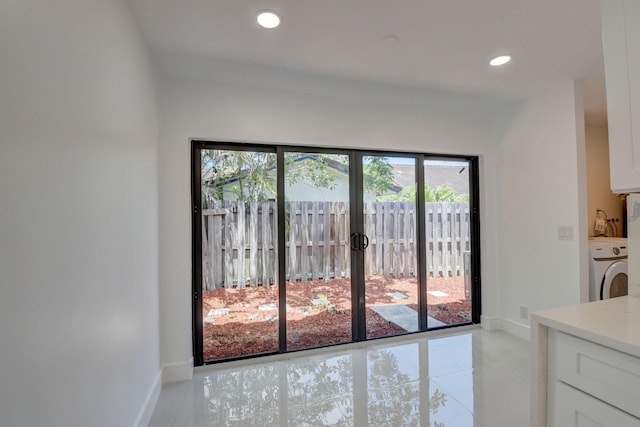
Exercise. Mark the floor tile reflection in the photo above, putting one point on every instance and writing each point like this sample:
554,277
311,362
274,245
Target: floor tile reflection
471,378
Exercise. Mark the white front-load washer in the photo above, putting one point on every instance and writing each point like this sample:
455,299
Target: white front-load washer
608,268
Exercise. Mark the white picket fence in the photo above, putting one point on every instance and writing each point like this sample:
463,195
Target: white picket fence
239,241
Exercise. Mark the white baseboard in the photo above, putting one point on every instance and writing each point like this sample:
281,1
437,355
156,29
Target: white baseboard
518,329
179,371
143,418
491,323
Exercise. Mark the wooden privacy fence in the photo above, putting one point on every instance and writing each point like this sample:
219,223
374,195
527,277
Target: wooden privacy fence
239,241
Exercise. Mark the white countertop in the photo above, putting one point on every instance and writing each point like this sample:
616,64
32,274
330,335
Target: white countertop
614,323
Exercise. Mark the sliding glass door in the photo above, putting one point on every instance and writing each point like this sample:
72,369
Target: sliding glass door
318,256
448,214
301,248
239,241
389,215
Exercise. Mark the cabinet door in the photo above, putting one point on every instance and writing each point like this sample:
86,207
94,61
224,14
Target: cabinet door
602,372
621,43
575,408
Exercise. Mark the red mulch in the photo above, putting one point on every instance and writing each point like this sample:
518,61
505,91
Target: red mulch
247,330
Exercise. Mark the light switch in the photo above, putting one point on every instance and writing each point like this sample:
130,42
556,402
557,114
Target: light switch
565,232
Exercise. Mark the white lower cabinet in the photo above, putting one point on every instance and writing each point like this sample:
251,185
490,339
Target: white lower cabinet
590,384
576,408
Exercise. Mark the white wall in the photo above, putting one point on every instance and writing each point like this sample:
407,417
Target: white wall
426,122
599,193
78,217
541,187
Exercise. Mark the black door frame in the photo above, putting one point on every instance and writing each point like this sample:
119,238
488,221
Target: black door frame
356,225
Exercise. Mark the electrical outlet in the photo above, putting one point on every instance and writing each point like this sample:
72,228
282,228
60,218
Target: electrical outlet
565,232
524,312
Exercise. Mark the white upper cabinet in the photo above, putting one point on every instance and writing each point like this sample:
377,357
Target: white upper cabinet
621,42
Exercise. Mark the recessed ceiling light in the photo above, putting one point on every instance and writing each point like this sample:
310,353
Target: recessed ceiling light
268,19
500,60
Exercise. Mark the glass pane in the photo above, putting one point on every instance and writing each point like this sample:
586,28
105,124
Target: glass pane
391,285
447,218
239,253
318,266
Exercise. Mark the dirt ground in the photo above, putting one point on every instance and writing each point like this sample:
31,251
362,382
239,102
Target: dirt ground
245,321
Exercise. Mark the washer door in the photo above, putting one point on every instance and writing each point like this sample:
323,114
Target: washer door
615,281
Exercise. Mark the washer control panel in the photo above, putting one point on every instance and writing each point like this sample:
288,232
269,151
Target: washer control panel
606,252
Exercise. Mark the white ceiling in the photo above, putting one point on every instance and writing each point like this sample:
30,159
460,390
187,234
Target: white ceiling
442,44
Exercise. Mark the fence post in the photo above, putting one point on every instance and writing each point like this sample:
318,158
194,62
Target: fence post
379,230
229,231
304,241
430,238
293,231
253,243
315,241
409,238
266,243
326,239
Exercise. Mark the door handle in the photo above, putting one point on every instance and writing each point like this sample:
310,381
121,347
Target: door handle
365,242
359,242
355,241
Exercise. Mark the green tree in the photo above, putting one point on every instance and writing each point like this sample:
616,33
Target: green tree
439,194
251,176
378,175
242,173
443,193
315,170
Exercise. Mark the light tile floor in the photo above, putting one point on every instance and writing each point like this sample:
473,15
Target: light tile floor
469,378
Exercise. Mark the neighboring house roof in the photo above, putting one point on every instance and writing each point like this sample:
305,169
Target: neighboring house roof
435,176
